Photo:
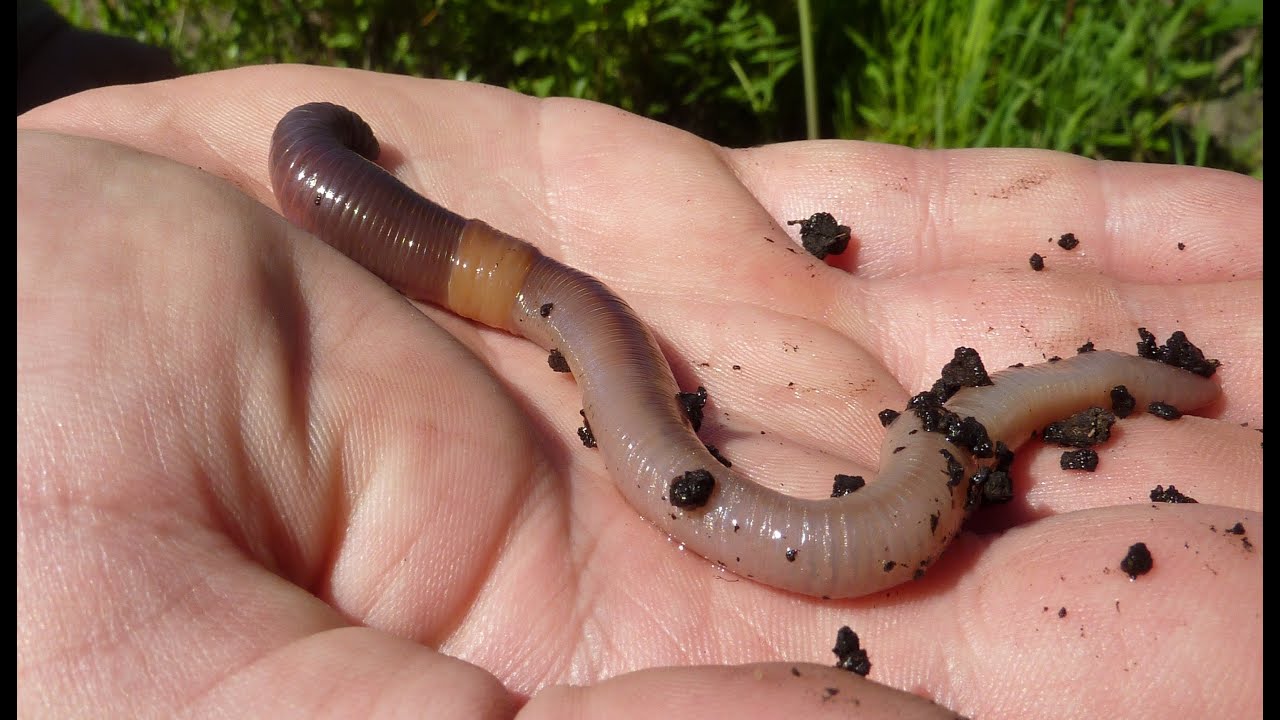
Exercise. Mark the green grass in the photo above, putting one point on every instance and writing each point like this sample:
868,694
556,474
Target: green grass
1152,80
1131,80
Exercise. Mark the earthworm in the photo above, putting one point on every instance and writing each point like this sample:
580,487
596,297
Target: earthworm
323,172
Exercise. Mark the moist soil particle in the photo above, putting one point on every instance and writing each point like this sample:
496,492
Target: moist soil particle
691,490
1177,351
966,433
1122,401
972,435
1137,561
692,404
821,235
1086,428
557,362
845,484
849,653
1164,411
992,485
1170,495
1083,459
989,486
587,437
965,369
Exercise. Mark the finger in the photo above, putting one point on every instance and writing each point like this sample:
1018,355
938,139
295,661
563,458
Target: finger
922,212
1211,462
1051,601
761,690
357,672
1043,617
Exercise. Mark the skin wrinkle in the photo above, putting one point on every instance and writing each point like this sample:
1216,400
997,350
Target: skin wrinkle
936,204
548,208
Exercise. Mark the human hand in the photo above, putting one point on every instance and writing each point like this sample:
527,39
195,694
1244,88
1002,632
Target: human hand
250,476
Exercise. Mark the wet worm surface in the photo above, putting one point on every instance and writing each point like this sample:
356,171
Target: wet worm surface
887,532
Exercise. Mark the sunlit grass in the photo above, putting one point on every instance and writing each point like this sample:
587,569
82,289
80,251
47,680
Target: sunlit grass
1129,80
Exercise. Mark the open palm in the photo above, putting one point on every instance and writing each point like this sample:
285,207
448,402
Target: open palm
251,476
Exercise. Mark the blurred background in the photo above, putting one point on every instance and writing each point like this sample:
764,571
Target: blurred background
1149,80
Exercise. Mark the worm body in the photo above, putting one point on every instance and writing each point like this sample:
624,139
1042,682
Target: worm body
324,177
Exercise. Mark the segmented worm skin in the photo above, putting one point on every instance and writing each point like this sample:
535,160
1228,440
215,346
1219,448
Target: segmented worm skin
884,534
